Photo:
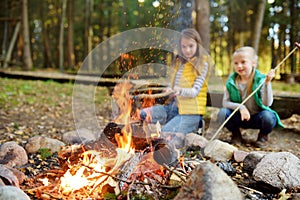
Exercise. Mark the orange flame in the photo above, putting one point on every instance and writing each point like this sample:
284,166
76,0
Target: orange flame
148,101
95,170
122,97
124,102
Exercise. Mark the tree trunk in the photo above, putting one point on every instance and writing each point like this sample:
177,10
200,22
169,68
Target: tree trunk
11,45
48,60
25,30
88,32
293,32
202,22
231,36
258,24
70,55
101,20
61,36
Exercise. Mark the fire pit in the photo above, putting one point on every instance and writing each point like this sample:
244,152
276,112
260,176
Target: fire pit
121,162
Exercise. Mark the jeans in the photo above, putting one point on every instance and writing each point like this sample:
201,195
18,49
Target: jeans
265,121
168,116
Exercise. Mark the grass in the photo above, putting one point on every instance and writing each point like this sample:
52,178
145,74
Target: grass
15,92
286,87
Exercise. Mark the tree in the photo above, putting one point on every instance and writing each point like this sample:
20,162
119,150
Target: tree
70,54
61,35
184,18
48,60
202,22
88,31
25,32
258,24
293,21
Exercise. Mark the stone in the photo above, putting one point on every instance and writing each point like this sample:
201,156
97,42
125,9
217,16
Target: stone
219,151
9,176
193,140
251,160
40,142
239,156
174,139
280,170
12,154
80,136
12,193
19,175
207,181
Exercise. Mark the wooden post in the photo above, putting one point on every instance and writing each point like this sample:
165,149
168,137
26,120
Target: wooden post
11,45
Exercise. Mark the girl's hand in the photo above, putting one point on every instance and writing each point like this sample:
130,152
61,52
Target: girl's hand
168,90
270,75
177,90
245,115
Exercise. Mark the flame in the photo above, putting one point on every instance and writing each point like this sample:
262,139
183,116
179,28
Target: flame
45,181
124,139
122,97
124,102
95,170
71,183
148,101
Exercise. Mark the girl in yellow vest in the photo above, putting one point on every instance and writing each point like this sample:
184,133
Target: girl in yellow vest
189,84
256,113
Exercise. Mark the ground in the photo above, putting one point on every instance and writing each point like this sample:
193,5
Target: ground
29,108
20,123
287,139
45,108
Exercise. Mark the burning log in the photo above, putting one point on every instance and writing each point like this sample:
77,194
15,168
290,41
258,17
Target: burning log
139,136
164,150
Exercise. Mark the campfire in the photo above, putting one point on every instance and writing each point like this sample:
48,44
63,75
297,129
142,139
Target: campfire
134,160
121,163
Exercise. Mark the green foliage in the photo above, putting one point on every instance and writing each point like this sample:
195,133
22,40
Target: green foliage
16,125
231,25
45,153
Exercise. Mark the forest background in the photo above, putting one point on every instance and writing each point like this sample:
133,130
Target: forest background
59,34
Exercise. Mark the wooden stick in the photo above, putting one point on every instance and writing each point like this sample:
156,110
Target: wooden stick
250,189
183,178
250,95
158,95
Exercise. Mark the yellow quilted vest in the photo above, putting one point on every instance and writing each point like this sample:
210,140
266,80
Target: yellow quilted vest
188,105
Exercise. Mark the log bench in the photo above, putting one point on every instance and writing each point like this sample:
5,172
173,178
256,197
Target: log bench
285,105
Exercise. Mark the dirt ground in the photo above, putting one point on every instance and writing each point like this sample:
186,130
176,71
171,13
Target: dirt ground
19,124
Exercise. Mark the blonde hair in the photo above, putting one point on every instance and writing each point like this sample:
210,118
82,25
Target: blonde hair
248,50
251,53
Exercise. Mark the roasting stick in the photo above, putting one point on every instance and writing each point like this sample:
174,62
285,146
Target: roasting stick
250,95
